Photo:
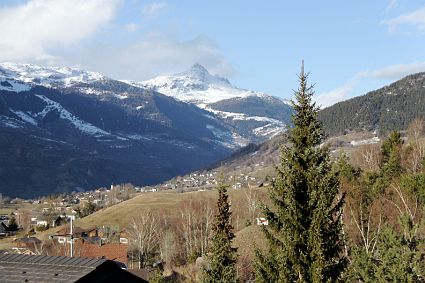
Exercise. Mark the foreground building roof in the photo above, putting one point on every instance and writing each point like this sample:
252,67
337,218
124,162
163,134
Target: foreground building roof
36,268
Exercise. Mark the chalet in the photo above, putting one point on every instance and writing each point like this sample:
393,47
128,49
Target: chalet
123,237
103,232
63,234
42,222
37,268
237,186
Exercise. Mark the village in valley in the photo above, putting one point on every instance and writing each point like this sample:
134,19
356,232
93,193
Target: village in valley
52,217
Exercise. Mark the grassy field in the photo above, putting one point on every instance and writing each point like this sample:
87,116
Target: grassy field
6,209
120,215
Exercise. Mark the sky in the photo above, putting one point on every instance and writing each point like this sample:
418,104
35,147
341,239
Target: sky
349,47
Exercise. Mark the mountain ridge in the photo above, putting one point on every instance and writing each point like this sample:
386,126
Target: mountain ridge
64,134
391,107
218,96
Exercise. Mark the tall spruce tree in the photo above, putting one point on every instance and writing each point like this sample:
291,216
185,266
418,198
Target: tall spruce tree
305,239
220,266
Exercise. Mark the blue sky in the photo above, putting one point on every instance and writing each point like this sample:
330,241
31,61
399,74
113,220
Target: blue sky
350,47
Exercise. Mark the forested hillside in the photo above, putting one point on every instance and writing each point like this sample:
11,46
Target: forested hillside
389,108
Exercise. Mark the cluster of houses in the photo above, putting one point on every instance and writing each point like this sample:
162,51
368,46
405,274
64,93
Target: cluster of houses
209,180
97,242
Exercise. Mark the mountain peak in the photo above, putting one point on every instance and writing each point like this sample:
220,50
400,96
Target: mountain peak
196,71
199,68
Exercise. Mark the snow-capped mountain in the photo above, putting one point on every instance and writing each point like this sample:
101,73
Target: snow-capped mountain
195,85
47,76
64,129
254,115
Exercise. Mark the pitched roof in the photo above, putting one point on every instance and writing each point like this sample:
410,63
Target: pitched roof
3,228
35,268
28,240
67,230
112,251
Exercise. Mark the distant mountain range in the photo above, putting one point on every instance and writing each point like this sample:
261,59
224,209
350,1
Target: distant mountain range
389,108
64,129
255,116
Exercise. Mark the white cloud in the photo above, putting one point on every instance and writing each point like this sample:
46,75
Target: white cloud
375,77
29,30
394,72
415,19
150,56
329,98
132,27
391,5
153,9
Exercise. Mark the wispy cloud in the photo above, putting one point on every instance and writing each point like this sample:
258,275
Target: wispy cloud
30,29
379,76
131,27
152,55
154,9
391,5
393,72
415,19
329,98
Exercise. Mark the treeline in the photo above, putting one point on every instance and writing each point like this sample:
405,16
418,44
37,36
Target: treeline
390,108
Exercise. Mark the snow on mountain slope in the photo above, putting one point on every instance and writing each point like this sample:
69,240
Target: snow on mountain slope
83,126
12,85
244,117
196,86
245,108
46,76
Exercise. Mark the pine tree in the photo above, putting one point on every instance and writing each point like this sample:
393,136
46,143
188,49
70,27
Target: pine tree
220,265
391,155
305,240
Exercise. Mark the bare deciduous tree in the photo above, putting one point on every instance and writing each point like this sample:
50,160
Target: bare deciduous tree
169,248
369,235
252,202
415,152
144,236
367,157
196,221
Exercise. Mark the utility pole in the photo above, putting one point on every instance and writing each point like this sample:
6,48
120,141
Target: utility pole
72,240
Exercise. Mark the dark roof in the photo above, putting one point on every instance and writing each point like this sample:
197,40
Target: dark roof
3,227
67,230
16,267
37,268
28,240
